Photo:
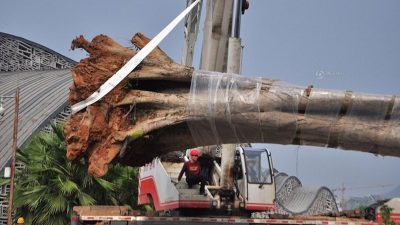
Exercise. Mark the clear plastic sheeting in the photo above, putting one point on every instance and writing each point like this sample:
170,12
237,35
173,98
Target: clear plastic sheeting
224,108
279,109
392,125
227,108
365,110
332,101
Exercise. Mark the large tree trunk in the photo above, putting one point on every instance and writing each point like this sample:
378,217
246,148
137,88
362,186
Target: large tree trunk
163,106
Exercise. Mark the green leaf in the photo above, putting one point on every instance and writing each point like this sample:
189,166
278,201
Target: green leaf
105,184
50,185
68,186
56,204
85,199
4,181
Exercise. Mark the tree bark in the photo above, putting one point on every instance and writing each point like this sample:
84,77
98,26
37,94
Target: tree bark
163,106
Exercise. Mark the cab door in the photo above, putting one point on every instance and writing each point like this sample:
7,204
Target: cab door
260,180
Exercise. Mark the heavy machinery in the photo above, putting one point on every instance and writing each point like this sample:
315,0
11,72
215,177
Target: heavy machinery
231,189
249,186
231,197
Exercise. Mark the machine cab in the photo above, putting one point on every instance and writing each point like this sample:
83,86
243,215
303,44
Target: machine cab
257,183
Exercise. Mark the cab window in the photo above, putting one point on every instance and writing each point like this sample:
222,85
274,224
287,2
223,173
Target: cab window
257,166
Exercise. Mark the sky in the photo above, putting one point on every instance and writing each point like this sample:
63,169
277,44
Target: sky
340,44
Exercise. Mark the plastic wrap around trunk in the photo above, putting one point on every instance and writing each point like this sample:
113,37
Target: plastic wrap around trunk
365,108
227,108
332,101
280,99
393,125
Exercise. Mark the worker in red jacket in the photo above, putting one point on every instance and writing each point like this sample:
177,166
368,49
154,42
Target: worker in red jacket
192,170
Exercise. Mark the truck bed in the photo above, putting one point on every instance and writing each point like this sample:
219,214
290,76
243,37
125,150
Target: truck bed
224,220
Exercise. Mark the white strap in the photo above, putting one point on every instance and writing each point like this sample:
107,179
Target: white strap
131,64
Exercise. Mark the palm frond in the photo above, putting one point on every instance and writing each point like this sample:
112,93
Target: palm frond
106,185
4,181
56,204
67,186
85,199
58,131
51,185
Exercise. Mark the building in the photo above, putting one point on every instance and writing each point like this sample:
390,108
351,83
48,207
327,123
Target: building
19,54
43,77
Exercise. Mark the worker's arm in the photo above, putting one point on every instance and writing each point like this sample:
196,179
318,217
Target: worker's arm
182,171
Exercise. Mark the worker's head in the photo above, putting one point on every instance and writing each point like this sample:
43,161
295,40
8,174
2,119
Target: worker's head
194,153
251,162
20,220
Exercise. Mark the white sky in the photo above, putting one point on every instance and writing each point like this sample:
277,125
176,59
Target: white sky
341,44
